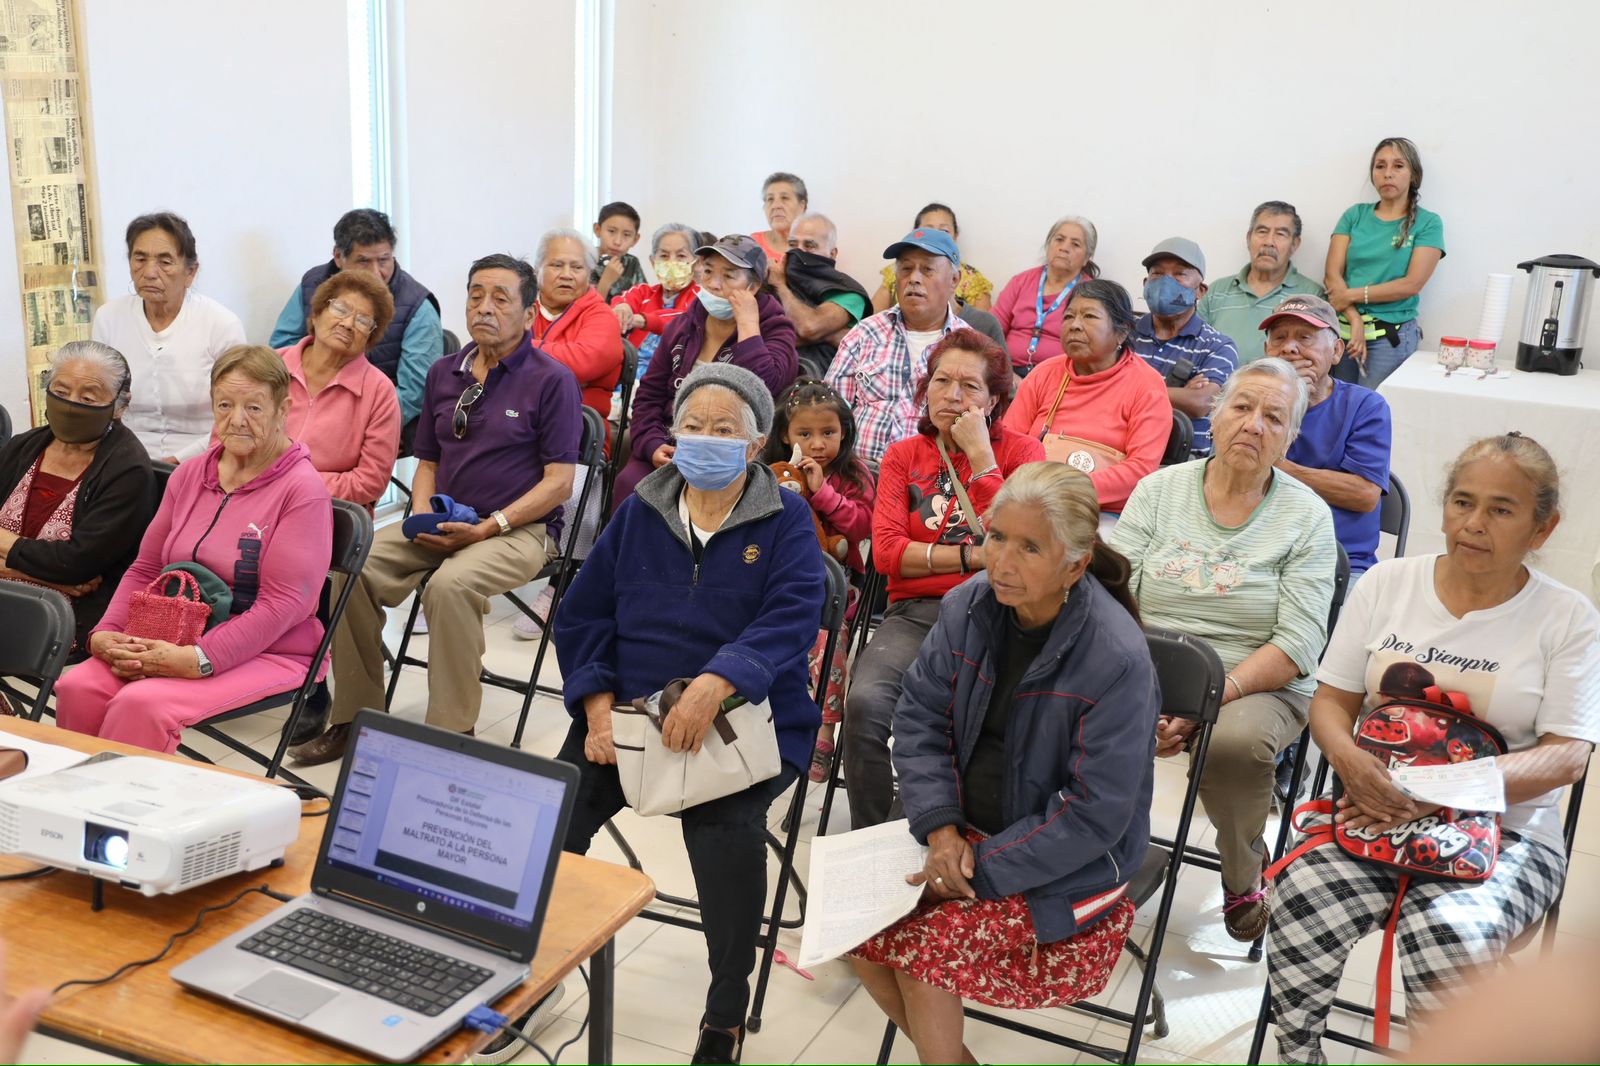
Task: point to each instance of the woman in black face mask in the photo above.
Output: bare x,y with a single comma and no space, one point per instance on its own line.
78,491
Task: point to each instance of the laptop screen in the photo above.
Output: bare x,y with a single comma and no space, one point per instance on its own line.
469,835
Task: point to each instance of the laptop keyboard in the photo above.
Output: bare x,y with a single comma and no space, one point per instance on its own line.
367,961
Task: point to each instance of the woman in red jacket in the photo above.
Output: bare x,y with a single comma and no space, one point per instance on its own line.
571,321
925,541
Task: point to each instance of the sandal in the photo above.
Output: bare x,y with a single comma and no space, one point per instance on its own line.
821,761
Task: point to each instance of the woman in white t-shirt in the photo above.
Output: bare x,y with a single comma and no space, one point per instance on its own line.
170,336
1526,651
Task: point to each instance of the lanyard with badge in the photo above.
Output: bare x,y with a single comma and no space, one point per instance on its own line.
1040,314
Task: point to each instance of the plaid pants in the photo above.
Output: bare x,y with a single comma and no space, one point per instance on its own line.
1327,900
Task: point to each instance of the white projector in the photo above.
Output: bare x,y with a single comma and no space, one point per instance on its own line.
148,824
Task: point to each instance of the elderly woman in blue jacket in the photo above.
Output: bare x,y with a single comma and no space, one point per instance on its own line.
713,572
1025,764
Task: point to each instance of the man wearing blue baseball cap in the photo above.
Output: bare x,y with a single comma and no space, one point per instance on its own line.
879,361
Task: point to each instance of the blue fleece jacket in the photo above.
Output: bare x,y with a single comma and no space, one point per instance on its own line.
1080,750
641,612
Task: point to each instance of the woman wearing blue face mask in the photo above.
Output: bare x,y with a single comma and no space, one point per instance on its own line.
734,320
709,571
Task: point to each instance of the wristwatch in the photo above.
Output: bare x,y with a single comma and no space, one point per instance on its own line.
206,669
500,519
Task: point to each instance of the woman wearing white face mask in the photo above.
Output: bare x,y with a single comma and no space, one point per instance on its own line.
730,599
733,320
644,310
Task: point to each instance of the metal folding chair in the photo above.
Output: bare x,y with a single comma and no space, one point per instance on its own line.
1191,678
1181,440
558,569
39,632
1546,926
352,539
833,610
1394,514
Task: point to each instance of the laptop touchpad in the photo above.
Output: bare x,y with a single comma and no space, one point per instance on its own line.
287,994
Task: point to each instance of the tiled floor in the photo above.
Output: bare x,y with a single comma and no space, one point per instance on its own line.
1212,991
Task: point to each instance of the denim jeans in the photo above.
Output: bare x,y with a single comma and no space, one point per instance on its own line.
1383,358
726,840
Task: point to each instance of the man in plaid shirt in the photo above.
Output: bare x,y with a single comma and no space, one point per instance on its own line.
880,360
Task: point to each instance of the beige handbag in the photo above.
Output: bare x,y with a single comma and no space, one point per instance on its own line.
740,749
1085,455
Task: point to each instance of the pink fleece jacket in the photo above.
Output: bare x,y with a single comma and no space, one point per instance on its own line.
282,519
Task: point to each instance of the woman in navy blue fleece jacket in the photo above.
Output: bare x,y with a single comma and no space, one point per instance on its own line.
709,571
1025,762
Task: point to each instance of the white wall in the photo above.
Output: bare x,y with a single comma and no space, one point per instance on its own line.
237,117
489,135
1152,119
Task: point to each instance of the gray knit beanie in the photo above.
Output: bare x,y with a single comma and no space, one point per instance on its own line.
741,382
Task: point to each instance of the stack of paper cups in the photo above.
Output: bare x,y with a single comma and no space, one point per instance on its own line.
1496,305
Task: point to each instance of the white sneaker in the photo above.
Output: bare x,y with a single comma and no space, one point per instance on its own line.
527,628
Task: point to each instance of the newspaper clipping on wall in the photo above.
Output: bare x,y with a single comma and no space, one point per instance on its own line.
49,164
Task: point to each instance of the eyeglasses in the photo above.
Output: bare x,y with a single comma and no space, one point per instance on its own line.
343,310
458,420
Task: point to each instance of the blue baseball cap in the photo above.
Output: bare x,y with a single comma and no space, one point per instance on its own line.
926,239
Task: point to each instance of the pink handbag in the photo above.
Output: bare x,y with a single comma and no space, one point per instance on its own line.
179,619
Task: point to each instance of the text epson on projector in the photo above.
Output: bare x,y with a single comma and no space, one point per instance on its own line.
149,824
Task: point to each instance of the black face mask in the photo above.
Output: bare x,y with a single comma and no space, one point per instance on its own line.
72,422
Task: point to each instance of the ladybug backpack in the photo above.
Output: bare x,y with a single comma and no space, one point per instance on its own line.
1447,845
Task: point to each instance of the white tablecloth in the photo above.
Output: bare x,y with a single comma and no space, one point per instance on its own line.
1435,417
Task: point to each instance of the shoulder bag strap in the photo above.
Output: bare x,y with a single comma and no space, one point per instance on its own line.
1050,419
973,521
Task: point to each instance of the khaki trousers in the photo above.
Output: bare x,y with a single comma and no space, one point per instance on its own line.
453,603
1241,764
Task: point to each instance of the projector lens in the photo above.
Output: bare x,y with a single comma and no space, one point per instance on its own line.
105,845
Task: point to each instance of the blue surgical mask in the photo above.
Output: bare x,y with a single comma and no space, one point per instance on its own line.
1165,295
710,463
715,305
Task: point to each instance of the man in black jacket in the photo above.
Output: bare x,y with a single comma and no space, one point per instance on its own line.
822,301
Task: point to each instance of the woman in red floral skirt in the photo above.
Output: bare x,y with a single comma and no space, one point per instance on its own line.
1024,748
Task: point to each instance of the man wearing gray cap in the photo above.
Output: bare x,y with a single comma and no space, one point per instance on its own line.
1194,358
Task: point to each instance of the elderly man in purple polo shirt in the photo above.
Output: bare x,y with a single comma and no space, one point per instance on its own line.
499,436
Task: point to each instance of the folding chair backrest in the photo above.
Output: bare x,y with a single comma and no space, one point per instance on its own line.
1180,440
5,426
1341,585
163,474
811,366
352,537
1189,673
39,630
1394,514
452,343
833,608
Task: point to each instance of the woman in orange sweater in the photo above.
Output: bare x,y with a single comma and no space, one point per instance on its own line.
1098,407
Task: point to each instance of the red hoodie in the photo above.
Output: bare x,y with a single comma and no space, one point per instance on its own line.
648,303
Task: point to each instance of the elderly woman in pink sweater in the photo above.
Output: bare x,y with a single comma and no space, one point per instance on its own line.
255,512
342,407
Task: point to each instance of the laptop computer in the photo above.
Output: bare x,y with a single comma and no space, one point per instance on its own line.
427,899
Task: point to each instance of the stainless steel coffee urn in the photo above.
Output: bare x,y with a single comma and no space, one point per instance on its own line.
1557,314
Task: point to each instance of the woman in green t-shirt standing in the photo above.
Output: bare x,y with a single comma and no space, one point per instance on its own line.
1379,258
